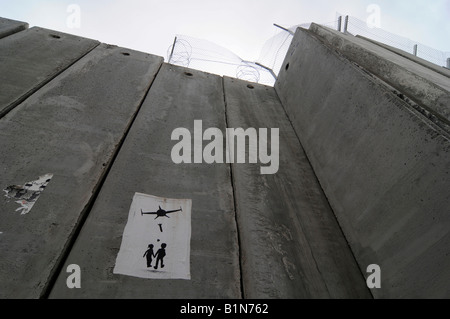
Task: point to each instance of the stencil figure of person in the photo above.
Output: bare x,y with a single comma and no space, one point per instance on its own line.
149,253
160,256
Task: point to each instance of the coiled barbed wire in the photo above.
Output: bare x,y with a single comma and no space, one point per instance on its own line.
248,71
180,53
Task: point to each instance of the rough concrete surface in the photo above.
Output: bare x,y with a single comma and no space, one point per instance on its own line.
70,128
32,58
363,175
436,68
291,243
421,84
177,98
384,167
8,27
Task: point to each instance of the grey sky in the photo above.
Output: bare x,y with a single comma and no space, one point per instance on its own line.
241,26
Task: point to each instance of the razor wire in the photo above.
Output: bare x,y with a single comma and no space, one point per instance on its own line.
207,56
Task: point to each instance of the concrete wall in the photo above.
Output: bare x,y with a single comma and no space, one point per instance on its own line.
417,82
383,165
32,58
144,165
8,27
436,68
291,244
70,128
100,118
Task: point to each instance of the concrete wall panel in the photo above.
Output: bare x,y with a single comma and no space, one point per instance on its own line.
383,166
69,128
177,98
8,27
291,243
31,58
418,82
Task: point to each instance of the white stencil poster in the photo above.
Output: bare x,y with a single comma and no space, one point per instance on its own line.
156,239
